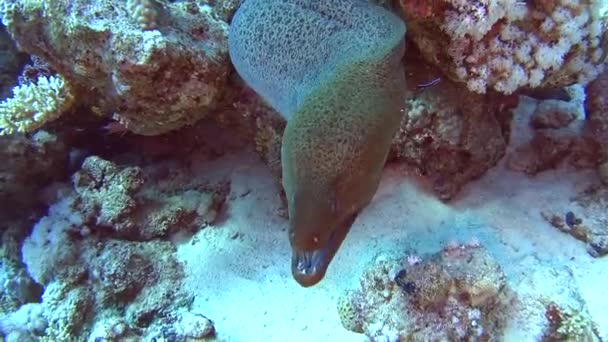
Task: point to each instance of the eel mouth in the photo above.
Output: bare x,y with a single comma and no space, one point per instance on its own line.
309,267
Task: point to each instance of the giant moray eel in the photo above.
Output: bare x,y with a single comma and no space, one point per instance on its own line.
333,70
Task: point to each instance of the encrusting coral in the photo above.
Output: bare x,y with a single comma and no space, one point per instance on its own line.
505,45
459,293
111,276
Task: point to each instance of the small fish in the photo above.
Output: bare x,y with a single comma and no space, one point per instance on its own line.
430,83
115,127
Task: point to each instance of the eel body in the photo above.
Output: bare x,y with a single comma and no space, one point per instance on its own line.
333,70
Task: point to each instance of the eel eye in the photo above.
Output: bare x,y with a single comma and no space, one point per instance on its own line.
315,239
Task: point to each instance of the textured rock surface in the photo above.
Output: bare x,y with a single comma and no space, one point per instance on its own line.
16,286
10,62
29,164
457,294
137,205
152,81
506,45
596,107
551,114
450,134
551,148
103,288
552,134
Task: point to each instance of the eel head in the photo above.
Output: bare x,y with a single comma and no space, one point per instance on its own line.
316,231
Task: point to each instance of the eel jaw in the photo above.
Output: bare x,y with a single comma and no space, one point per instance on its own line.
309,267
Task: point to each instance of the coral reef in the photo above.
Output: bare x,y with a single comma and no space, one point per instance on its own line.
99,265
152,81
506,45
568,324
120,199
225,8
35,104
552,114
145,12
449,137
92,215
17,288
550,148
111,288
560,313
459,293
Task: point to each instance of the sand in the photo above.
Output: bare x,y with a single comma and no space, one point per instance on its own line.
239,272
239,268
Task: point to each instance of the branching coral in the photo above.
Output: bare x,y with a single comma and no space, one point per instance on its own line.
35,104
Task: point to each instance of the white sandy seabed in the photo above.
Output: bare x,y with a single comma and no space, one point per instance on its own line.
239,272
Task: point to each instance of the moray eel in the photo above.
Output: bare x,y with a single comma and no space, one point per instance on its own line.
333,70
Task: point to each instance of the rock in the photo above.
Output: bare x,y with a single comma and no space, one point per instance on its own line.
552,114
448,133
459,293
152,79
11,61
596,107
506,46
142,204
603,172
585,221
107,191
194,326
551,148
596,125
28,165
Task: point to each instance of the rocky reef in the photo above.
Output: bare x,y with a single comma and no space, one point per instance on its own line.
460,293
109,110
102,255
152,77
506,45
